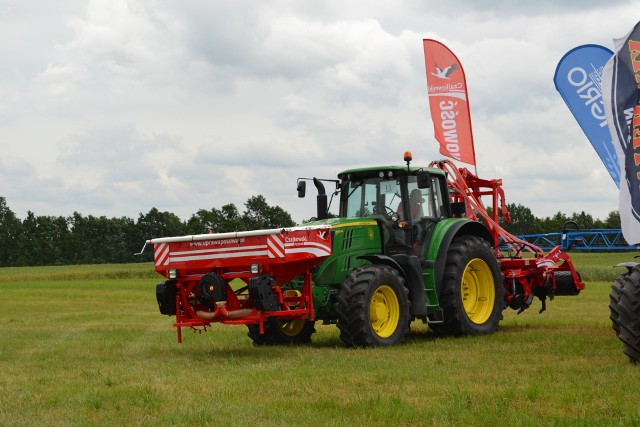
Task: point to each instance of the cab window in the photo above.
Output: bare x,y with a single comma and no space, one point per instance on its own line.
425,202
371,196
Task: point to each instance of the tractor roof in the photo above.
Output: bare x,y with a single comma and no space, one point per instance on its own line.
398,170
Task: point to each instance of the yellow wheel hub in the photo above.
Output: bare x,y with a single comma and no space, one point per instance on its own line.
294,326
384,311
478,291
291,327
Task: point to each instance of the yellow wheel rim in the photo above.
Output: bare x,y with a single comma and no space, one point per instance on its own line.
478,291
384,311
291,327
292,293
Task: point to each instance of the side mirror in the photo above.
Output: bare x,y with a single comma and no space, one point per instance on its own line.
424,179
302,188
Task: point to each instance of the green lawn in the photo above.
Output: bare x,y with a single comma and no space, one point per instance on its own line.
86,345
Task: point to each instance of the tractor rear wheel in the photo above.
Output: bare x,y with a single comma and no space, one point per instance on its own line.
472,296
373,307
282,332
629,313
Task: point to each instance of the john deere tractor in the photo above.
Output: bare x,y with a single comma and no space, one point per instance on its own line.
401,251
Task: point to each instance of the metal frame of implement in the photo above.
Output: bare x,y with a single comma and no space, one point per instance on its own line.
280,255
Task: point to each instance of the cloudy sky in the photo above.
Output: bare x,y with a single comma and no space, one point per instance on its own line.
112,107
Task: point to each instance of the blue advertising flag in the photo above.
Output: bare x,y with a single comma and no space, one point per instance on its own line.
621,85
578,78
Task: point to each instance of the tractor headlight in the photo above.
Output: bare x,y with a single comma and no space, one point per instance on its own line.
173,273
256,268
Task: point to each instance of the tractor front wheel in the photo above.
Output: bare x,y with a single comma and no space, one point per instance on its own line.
282,332
373,307
472,296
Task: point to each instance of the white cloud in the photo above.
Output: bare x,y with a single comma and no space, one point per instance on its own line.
114,107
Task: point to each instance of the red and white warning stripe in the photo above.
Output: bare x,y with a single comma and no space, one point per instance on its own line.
275,246
161,254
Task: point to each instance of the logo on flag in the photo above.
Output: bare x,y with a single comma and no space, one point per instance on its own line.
443,73
447,91
578,79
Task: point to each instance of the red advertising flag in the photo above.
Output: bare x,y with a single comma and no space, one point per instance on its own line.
447,90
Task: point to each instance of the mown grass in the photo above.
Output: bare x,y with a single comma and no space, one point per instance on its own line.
78,272
95,351
600,266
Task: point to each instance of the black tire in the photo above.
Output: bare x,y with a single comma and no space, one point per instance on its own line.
472,296
565,286
614,299
373,307
629,314
282,332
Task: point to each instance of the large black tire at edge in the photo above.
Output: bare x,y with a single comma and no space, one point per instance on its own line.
629,313
373,307
614,299
472,296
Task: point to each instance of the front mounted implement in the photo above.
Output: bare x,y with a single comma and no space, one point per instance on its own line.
202,272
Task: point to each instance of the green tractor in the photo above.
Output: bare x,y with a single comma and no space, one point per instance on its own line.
401,251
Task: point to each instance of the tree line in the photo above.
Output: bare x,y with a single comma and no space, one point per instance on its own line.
78,239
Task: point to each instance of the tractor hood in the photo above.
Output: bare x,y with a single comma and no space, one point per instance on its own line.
337,223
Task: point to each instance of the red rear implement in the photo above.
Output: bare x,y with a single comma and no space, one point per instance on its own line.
538,275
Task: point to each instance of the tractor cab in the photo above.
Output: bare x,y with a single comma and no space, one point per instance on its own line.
405,201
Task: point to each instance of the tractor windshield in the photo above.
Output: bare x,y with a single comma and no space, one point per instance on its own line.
370,196
384,196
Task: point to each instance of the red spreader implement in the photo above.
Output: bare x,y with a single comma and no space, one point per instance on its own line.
201,269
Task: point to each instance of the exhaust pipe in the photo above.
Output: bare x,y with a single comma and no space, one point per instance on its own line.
321,199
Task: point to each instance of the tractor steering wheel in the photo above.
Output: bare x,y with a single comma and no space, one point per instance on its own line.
393,215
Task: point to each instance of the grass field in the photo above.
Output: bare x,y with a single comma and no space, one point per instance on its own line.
86,345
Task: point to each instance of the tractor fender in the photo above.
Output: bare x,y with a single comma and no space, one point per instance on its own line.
461,228
408,266
628,265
